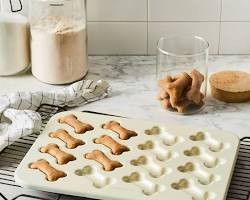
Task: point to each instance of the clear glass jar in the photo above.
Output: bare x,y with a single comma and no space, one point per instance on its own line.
14,40
58,40
182,73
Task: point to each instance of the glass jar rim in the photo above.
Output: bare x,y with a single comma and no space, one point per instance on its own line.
204,51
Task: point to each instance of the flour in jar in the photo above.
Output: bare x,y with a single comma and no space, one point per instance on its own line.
59,50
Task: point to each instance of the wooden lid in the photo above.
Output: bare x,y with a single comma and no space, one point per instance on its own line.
231,81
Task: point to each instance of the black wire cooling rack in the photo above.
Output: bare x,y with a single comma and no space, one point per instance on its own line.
11,156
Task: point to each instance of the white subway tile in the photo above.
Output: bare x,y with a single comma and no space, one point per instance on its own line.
114,38
235,38
120,26
235,10
207,30
187,10
117,10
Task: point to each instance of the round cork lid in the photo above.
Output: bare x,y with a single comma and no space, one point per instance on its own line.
231,81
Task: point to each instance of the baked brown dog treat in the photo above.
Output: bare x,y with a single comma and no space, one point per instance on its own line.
162,94
70,141
124,133
181,92
175,88
116,148
51,173
165,103
163,83
61,156
79,126
100,157
194,93
163,97
183,105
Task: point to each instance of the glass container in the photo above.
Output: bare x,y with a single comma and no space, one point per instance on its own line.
14,40
182,73
58,40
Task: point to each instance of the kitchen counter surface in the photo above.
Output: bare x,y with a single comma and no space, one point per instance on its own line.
133,81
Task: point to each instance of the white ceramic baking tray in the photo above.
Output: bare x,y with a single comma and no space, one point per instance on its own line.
209,179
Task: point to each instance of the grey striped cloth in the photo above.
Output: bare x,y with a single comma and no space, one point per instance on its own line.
17,111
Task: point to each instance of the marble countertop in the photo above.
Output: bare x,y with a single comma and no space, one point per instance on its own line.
134,88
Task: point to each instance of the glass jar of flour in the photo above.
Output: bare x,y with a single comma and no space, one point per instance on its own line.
58,40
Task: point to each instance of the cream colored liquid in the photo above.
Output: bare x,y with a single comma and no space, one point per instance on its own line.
14,44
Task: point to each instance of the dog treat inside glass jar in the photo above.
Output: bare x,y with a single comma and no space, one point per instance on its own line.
182,73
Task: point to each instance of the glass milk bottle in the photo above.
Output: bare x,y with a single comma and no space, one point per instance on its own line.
58,40
14,40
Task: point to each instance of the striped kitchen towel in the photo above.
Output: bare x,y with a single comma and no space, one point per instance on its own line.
18,116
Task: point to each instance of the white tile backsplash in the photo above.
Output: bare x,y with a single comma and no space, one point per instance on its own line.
184,10
208,31
116,38
117,10
235,10
132,27
235,38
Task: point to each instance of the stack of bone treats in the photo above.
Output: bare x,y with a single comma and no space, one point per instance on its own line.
182,91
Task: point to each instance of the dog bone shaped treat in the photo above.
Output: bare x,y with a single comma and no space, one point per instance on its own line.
175,87
182,106
124,133
99,156
51,173
116,148
165,103
61,156
182,184
162,94
153,131
164,98
163,83
194,93
173,95
180,92
70,141
79,126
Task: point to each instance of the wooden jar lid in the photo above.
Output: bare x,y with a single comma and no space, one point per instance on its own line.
231,86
